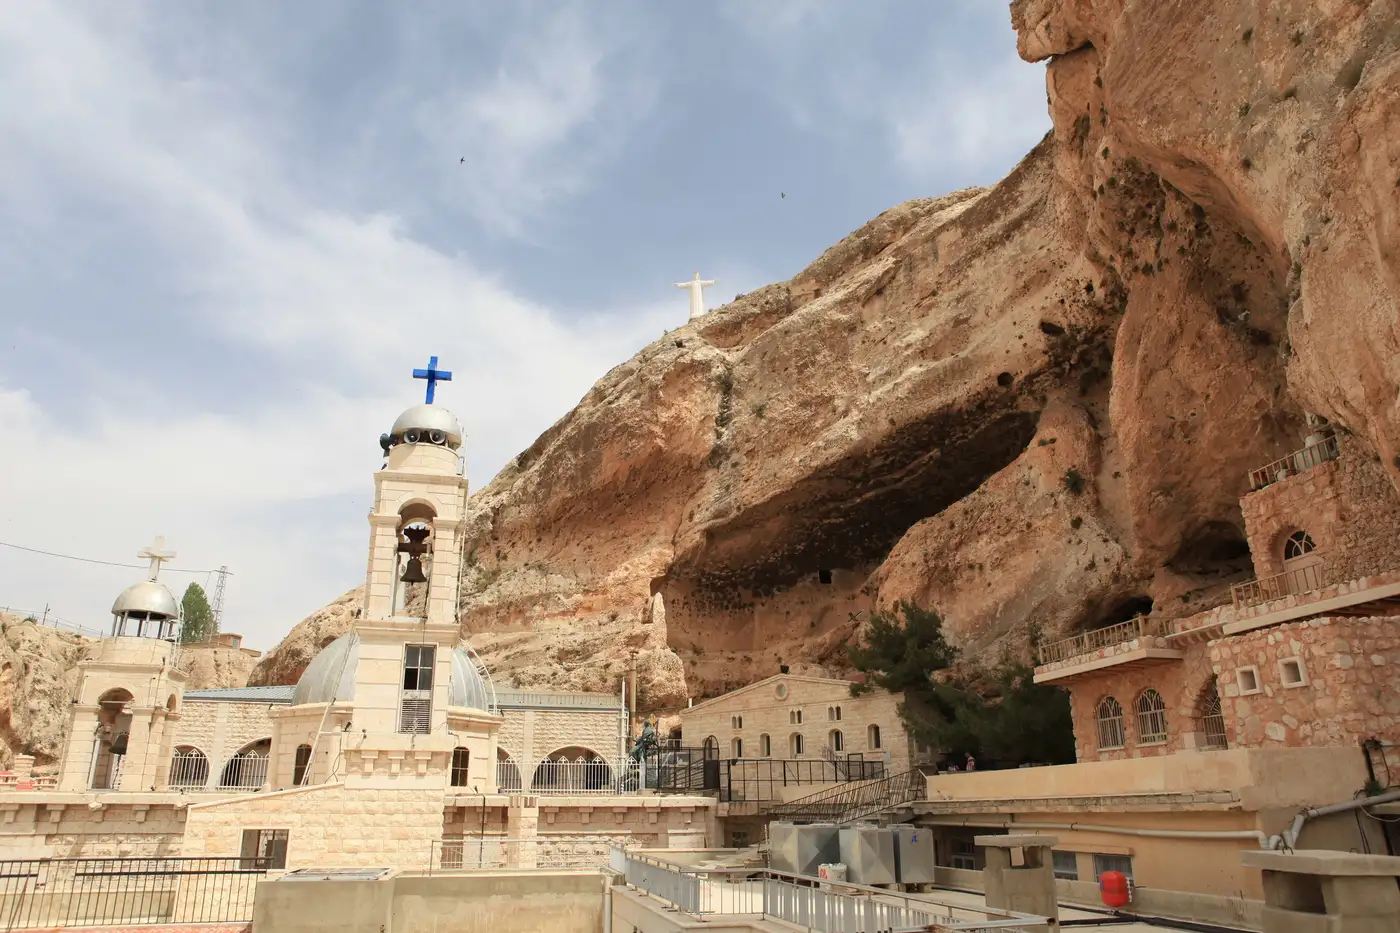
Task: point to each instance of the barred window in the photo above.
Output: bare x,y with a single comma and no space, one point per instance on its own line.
1151,717
1110,718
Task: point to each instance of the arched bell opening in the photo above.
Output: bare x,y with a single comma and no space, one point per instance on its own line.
413,558
109,741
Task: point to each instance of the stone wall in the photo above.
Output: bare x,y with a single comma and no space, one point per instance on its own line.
758,710
219,729
1349,668
1180,684
77,830
326,824
565,823
1349,508
531,735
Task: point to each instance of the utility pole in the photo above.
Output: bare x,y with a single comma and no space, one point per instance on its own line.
217,608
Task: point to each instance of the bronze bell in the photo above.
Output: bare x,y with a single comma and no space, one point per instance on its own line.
413,573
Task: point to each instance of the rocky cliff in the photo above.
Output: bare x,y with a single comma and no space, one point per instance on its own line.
1031,406
39,679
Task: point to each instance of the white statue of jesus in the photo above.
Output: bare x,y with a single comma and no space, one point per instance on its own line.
697,298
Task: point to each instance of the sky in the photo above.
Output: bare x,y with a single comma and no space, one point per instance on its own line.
228,233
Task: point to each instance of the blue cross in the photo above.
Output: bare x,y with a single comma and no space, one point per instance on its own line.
433,375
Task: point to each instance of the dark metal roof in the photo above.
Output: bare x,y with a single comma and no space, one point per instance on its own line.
281,694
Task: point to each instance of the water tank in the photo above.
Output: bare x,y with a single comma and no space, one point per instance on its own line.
913,854
1115,889
801,849
868,852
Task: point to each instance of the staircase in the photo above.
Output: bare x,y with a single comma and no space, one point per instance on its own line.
848,803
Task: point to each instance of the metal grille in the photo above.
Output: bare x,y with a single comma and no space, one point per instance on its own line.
1110,718
248,770
1212,720
414,714
50,893
1151,717
189,768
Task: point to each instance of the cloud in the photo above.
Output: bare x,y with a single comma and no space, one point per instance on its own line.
960,103
313,313
557,105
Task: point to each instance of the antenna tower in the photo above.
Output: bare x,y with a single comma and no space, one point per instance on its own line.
221,576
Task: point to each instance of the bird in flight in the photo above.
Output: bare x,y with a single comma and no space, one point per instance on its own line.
462,160
782,194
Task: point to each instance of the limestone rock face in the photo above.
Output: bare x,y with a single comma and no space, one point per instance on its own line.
284,664
38,679
209,667
1032,406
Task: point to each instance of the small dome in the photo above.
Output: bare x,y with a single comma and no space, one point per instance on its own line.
331,674
468,688
426,419
149,597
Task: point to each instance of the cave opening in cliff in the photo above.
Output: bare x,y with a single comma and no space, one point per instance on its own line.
839,523
1125,610
1216,549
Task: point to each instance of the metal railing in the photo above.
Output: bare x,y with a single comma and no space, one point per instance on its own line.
758,779
471,853
1288,583
48,893
1311,456
855,801
1088,642
537,699
622,776
835,907
246,771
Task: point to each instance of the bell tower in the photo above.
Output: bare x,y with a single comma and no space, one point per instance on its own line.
409,629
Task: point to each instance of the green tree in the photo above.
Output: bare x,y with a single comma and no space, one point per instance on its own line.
1001,714
198,619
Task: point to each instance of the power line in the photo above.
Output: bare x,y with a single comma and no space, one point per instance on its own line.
105,563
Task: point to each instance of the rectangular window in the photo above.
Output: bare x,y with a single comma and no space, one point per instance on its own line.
1103,863
418,666
965,854
264,849
765,746
461,766
416,702
1065,865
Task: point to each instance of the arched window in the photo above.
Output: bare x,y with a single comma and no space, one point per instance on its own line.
711,747
1110,718
765,746
1299,543
872,736
830,713
248,768
838,714
1151,717
795,717
736,722
795,744
507,773
299,765
737,748
189,767
461,764
836,740
1210,721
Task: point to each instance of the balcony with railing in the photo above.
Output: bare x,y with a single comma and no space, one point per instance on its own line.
1137,642
1313,455
1289,583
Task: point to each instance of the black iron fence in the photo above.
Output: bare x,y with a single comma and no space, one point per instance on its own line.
846,803
683,770
89,892
758,780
